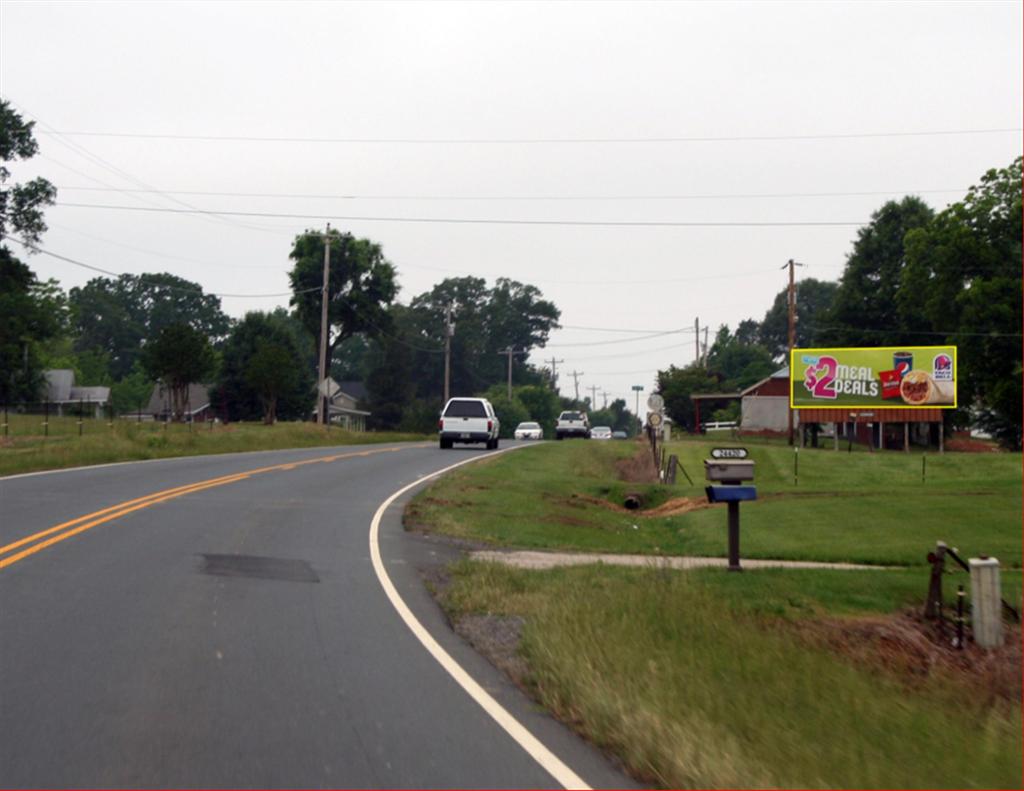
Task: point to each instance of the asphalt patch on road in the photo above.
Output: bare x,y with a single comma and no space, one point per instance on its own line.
259,567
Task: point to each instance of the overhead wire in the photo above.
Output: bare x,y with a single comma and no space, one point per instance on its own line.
143,278
482,221
536,140
539,198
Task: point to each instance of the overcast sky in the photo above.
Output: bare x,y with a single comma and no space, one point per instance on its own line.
713,116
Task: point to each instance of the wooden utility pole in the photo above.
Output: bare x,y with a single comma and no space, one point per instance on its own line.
322,393
705,351
510,352
604,395
449,331
696,340
554,373
593,396
576,382
792,332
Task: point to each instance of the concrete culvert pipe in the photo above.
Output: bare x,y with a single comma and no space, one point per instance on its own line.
633,501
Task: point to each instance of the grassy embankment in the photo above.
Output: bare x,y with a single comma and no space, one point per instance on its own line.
793,678
25,448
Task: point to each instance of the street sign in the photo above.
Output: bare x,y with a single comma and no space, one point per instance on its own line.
728,453
638,388
655,402
654,419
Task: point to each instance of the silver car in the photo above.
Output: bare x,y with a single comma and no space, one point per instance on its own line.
529,431
601,432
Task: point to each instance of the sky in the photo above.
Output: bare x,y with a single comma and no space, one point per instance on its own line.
645,165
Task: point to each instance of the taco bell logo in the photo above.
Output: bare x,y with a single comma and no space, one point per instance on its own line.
942,368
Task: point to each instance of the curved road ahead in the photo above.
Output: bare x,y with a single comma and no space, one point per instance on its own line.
217,622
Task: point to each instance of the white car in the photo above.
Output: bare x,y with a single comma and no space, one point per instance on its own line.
529,431
601,432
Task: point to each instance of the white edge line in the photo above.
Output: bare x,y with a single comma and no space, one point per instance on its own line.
530,743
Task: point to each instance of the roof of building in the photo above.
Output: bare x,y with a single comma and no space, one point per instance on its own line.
160,400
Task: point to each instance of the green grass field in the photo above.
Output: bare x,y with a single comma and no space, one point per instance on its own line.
27,447
860,507
780,677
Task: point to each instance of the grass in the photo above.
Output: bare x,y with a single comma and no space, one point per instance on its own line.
25,447
860,507
775,677
693,689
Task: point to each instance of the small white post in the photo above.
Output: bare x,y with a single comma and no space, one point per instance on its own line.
986,602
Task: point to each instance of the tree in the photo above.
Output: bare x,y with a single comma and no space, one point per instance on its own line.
117,317
266,369
865,307
21,206
676,385
962,283
179,356
31,313
737,364
361,284
510,412
813,300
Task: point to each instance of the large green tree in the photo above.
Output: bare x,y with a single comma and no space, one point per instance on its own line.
361,284
962,283
21,205
865,309
119,316
179,356
31,313
267,369
738,364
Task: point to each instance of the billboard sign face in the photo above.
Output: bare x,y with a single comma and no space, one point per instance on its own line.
895,377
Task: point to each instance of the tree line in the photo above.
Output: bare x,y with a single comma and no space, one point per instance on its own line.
131,331
914,277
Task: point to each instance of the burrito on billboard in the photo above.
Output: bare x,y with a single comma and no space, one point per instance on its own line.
897,377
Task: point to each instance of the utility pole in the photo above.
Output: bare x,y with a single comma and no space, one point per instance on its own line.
604,395
705,347
322,394
449,331
510,352
554,374
593,396
576,382
792,330
696,341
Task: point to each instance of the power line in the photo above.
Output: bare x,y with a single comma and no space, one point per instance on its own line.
354,197
531,140
620,340
143,278
468,221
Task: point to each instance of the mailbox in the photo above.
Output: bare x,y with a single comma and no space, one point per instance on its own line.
730,467
729,470
730,494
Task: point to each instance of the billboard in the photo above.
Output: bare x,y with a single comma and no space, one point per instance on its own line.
904,377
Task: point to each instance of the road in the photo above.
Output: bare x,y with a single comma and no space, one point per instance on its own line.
235,633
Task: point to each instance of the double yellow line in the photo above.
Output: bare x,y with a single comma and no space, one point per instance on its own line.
54,535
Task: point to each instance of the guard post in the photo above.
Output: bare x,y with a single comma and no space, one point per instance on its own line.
730,468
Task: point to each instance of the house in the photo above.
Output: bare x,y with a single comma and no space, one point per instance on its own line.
197,404
343,400
62,392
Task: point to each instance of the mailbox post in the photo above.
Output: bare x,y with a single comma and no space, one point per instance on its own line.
730,468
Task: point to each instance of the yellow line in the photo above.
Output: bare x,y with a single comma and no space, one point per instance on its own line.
83,523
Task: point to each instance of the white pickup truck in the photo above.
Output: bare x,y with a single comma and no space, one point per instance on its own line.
468,420
572,424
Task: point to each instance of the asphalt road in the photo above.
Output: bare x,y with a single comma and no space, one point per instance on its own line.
236,635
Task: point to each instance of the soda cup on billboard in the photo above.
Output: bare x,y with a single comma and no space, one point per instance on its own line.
903,362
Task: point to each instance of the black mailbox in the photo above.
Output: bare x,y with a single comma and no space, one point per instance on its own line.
730,468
